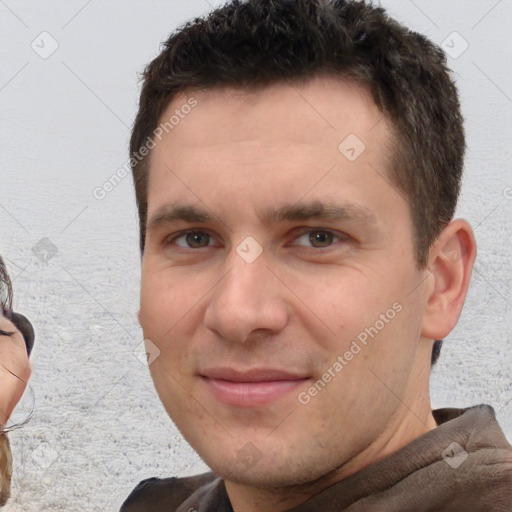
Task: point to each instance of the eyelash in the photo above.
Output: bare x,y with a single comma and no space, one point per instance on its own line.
341,236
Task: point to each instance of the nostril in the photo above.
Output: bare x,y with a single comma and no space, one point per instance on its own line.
26,329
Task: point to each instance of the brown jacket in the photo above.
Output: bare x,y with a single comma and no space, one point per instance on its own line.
463,465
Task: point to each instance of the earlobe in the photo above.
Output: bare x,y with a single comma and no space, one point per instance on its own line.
451,263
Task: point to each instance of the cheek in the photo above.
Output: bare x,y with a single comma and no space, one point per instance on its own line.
346,301
168,319
159,311
366,308
173,290
162,300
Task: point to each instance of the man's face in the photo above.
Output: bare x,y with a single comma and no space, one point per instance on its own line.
249,341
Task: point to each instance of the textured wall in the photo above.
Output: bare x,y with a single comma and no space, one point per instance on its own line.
98,427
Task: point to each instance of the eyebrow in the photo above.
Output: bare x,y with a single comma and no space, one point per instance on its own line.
168,214
315,210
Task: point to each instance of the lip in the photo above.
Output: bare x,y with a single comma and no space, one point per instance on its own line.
251,387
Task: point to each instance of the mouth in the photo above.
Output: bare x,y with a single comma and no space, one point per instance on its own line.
252,387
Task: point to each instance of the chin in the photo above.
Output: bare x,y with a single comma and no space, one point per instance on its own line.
267,471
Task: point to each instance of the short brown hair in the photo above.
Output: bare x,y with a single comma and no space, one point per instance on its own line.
255,43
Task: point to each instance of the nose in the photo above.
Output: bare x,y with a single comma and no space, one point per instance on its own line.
249,298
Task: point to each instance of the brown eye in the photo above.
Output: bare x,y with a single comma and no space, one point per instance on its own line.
321,238
197,239
193,240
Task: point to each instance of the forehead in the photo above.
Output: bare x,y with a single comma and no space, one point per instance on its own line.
321,110
277,141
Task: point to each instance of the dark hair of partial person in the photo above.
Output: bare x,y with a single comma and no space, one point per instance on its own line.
5,288
255,43
19,320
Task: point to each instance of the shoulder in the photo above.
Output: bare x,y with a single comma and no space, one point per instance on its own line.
155,494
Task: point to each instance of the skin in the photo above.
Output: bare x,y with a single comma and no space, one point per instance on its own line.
301,303
15,368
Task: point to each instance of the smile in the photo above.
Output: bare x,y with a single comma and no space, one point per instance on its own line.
249,389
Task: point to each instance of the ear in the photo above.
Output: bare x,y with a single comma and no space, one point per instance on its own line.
451,260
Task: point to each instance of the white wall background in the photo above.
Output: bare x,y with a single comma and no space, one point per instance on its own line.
98,427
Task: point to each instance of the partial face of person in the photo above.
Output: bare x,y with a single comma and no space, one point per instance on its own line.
15,368
278,280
